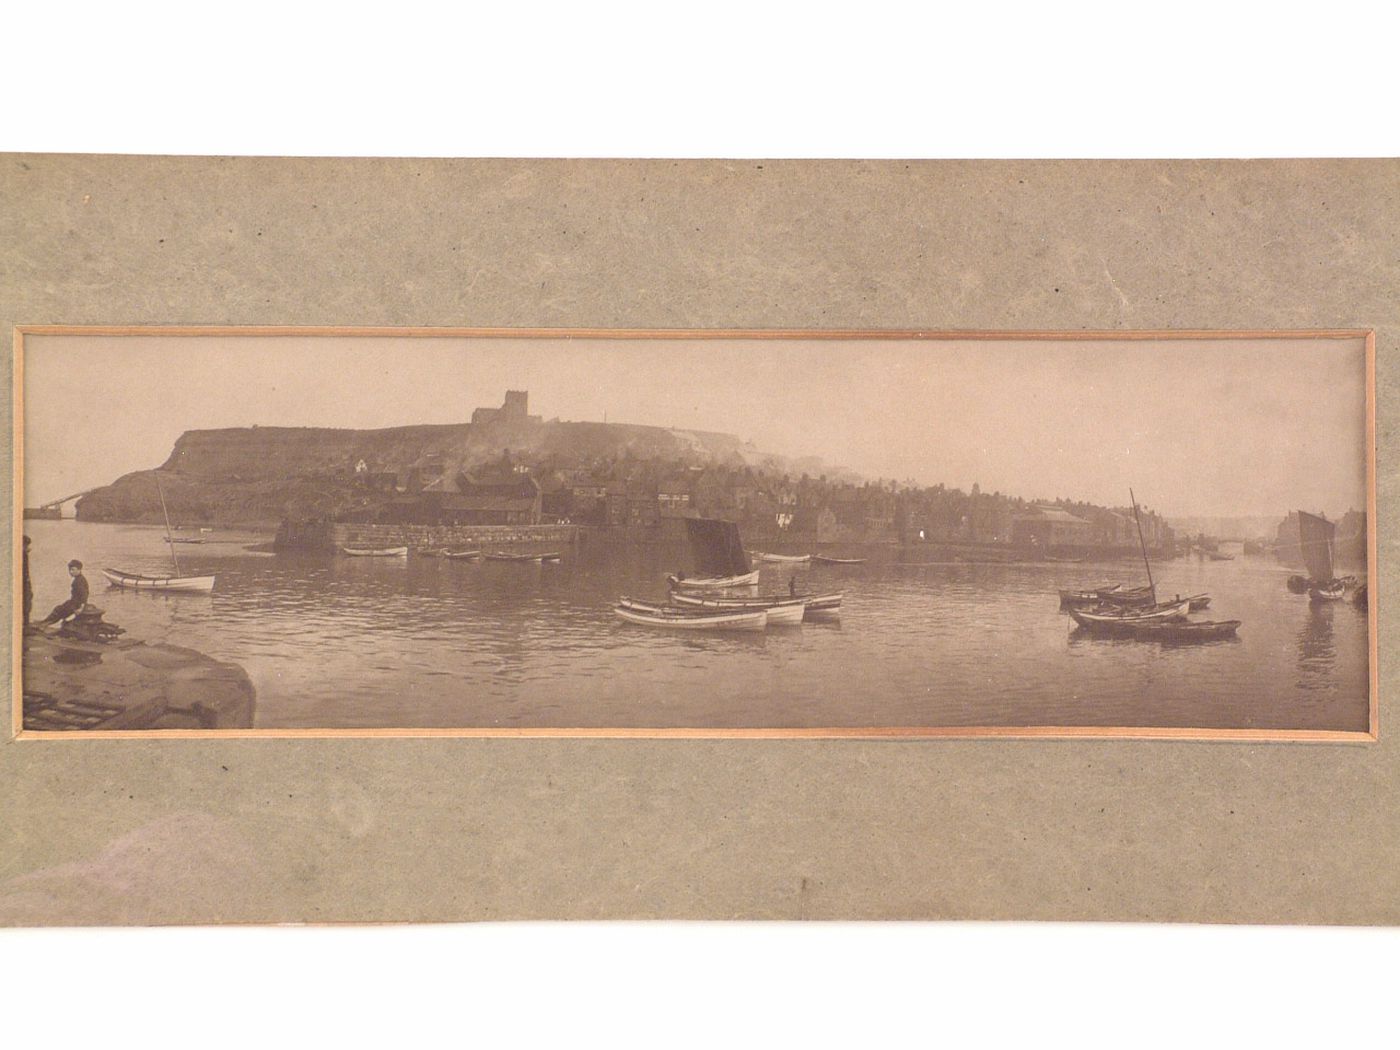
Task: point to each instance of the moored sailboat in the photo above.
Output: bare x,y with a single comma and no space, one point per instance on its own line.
176,582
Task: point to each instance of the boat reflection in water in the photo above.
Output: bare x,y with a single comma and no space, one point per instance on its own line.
1317,649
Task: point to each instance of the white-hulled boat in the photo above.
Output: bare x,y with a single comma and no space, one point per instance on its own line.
461,555
793,559
135,581
504,556
780,611
707,621
176,582
1328,592
712,583
1125,621
813,606
822,559
376,552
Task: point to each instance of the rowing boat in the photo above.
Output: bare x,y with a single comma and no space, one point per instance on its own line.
813,605
376,552
135,581
778,615
718,621
503,556
793,559
822,559
712,583
780,610
175,582
1119,621
1186,630
462,555
1334,591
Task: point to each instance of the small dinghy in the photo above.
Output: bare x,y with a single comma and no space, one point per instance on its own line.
706,621
812,605
1117,621
462,555
376,552
822,559
135,581
182,539
503,556
1186,630
780,610
712,583
791,559
177,581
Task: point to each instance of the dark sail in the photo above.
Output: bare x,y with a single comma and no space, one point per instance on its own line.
1315,537
717,548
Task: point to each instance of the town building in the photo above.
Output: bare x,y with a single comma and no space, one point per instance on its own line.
515,410
1045,526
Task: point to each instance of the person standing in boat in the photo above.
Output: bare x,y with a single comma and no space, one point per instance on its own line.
76,600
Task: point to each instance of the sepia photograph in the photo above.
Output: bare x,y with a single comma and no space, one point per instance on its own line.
782,533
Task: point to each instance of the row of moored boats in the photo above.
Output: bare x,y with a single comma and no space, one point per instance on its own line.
452,555
1134,612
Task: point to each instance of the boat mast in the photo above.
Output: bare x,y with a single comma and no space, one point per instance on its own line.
169,540
1143,544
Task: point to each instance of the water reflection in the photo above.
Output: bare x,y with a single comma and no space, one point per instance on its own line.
348,642
1317,649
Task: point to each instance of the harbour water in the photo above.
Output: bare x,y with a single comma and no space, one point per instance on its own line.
336,642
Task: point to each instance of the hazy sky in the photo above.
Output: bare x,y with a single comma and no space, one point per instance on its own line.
1196,428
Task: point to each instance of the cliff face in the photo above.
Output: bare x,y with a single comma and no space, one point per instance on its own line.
262,474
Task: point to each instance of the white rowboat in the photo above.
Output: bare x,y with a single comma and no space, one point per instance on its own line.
712,583
376,552
812,604
719,621
191,584
796,559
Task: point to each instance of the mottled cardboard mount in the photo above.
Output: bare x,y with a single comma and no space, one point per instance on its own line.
372,830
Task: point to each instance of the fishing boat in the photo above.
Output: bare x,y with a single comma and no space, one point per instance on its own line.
375,552
778,615
709,621
176,582
1117,621
462,555
791,559
712,583
1316,536
135,581
813,605
719,556
1199,602
822,559
1186,630
1328,592
504,556
1087,597
780,610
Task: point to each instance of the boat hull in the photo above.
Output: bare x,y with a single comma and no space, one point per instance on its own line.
819,559
1333,592
791,559
375,552
712,583
719,621
1187,631
180,584
1124,623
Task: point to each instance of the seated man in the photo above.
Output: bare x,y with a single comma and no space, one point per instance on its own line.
76,600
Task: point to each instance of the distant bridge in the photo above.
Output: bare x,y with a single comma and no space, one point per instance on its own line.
53,510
